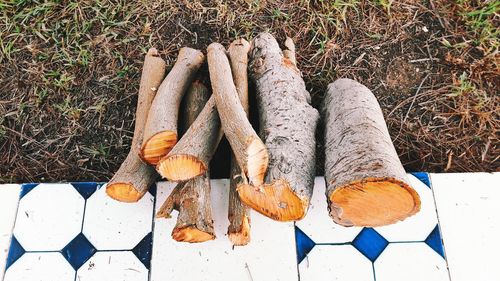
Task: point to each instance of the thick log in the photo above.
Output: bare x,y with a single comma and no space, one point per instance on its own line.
160,134
366,182
247,147
238,213
134,177
287,124
192,198
191,155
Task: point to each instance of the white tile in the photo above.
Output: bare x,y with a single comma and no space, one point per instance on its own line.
9,199
335,262
49,217
269,256
119,265
410,262
113,225
418,226
40,267
318,224
469,213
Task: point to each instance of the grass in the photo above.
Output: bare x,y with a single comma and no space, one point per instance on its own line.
69,73
482,21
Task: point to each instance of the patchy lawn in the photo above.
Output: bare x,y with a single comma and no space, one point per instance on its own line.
69,74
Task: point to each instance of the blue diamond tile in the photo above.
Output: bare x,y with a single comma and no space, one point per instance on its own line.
423,177
370,243
152,189
303,243
27,187
434,241
86,189
144,249
78,251
15,252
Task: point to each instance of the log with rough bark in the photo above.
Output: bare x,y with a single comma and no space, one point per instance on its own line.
192,198
250,152
238,214
160,134
366,182
287,124
191,155
134,177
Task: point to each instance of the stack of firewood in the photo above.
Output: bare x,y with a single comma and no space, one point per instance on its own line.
274,173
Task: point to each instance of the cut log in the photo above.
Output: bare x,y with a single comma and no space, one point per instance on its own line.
160,134
191,155
192,198
238,213
134,177
287,124
247,147
366,182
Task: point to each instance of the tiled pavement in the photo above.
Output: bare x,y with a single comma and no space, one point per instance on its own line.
66,232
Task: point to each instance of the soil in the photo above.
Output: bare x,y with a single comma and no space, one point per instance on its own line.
69,79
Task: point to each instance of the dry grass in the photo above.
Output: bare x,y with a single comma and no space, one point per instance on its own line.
69,73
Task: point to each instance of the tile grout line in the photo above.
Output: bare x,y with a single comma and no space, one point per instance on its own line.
12,229
152,232
296,254
439,226
81,229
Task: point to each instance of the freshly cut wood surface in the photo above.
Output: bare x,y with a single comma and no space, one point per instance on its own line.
134,177
238,214
366,182
191,155
160,134
249,150
287,124
192,198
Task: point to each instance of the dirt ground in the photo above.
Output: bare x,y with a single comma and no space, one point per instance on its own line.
69,74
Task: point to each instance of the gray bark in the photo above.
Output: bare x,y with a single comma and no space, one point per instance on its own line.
358,149
192,198
238,214
163,115
196,147
134,177
287,120
248,149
